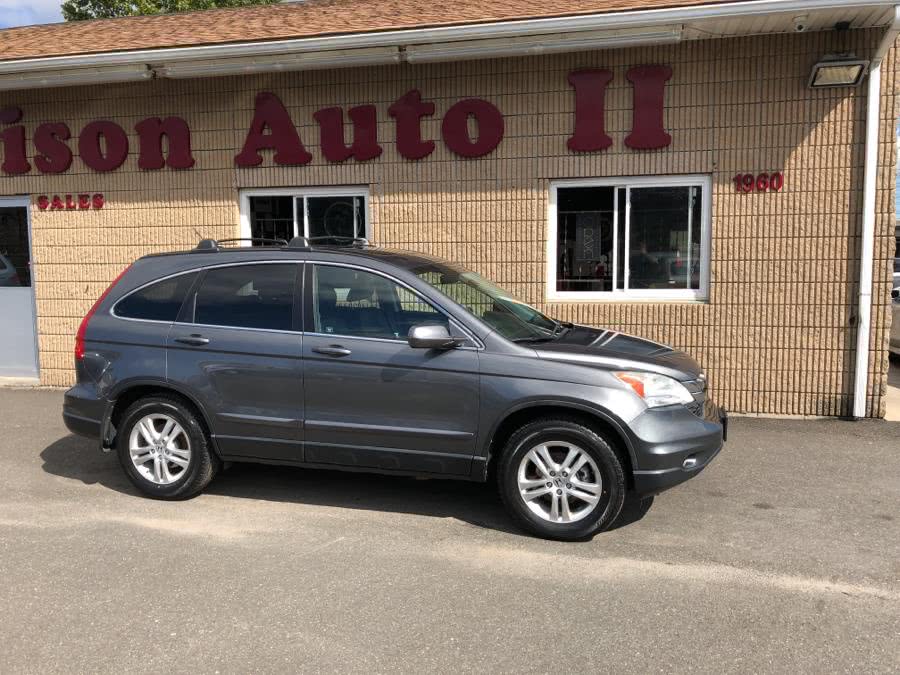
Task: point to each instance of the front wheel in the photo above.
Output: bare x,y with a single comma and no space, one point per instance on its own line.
164,449
561,480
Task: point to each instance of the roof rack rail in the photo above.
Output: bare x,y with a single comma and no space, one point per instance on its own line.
207,246
299,243
354,241
262,240
213,245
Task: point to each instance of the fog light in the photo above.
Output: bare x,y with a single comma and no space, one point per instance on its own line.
689,463
837,71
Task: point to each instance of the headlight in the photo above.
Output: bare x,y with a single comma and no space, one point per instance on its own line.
656,390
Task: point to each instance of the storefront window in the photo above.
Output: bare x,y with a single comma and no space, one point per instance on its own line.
326,216
635,238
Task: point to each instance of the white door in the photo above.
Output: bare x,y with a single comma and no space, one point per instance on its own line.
18,342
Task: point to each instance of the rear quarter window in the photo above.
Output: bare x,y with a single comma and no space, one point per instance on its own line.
156,302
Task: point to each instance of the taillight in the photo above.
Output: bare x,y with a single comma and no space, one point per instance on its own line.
79,336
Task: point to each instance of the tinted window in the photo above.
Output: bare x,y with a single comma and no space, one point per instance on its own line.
158,302
349,301
510,317
247,296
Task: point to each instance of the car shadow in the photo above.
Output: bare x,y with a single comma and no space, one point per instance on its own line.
477,504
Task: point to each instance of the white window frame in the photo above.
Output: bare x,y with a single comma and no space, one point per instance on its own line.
295,193
704,182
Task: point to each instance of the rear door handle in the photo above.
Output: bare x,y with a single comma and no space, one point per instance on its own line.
332,350
195,340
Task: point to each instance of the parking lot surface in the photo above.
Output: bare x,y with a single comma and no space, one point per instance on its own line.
783,556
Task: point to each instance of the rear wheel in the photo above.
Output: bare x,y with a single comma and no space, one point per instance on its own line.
560,479
164,449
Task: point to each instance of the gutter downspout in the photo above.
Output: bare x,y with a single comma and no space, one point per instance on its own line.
867,248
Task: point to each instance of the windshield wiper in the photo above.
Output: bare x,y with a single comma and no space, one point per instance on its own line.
562,327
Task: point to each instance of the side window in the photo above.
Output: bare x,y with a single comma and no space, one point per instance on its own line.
247,296
157,302
348,301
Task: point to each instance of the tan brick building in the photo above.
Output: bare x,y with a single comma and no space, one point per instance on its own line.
739,239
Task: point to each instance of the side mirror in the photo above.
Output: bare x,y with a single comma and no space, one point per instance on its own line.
431,336
895,294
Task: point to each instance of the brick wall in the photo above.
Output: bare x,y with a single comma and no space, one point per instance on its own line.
777,335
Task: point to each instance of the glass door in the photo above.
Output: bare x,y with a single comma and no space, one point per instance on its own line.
18,338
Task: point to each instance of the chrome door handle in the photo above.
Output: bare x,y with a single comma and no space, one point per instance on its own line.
332,350
195,340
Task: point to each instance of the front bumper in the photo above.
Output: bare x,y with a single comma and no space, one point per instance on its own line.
673,445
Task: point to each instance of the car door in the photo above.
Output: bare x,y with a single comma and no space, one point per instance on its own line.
371,399
236,348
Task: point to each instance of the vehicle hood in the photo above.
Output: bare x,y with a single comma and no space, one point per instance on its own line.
613,350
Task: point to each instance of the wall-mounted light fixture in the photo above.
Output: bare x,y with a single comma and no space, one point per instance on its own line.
837,71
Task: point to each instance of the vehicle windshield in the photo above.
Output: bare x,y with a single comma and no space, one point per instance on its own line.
509,316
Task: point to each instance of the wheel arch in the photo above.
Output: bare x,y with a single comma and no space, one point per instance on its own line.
597,419
135,390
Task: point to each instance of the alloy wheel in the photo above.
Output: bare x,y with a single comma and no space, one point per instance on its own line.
160,449
559,482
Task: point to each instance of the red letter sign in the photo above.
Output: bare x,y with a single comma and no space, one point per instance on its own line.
455,127
50,139
408,111
647,130
365,133
590,94
284,139
151,131
116,146
13,140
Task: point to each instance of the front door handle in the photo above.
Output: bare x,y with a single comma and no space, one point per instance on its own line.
195,340
332,350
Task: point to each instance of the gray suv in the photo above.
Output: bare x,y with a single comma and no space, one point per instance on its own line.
365,359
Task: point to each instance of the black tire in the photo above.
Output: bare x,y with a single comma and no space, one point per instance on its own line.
560,430
202,465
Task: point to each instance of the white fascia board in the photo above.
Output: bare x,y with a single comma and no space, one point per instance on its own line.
73,76
542,44
347,58
501,29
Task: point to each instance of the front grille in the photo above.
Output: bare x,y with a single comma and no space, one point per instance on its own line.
698,391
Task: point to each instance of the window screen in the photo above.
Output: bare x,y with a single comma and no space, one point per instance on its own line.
664,238
247,296
157,302
335,220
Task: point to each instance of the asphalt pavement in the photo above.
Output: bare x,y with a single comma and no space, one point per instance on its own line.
783,556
